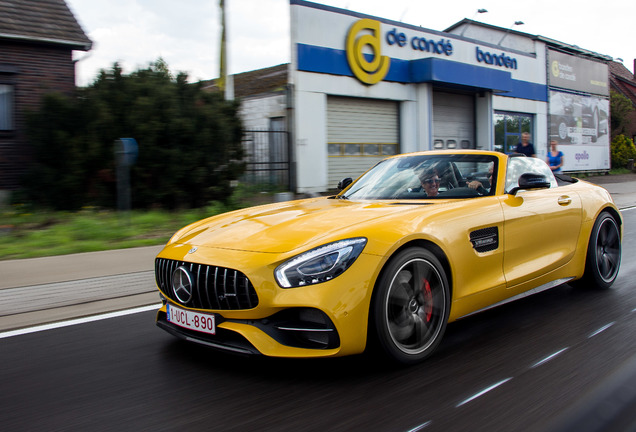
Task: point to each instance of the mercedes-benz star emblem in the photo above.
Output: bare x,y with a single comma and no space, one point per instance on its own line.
182,285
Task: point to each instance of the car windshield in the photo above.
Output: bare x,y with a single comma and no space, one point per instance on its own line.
521,165
427,177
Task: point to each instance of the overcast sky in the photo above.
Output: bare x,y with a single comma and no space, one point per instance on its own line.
186,34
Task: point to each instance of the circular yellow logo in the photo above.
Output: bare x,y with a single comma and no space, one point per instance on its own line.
366,32
555,68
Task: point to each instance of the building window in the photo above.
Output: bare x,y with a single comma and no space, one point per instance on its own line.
508,129
362,149
6,107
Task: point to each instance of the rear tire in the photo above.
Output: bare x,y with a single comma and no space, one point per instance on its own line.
603,252
411,306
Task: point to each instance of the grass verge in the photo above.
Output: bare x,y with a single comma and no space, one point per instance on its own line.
26,233
30,235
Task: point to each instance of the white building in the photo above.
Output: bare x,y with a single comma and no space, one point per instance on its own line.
362,88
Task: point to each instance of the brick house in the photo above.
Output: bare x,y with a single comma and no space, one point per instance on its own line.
624,82
37,40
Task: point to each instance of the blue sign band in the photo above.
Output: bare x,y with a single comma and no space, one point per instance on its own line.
427,70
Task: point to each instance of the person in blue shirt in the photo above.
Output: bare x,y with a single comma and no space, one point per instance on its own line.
555,157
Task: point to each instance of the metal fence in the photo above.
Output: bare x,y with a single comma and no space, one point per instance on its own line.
267,157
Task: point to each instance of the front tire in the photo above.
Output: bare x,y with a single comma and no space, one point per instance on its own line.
411,306
603,252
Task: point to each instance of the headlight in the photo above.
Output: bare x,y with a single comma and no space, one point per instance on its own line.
320,264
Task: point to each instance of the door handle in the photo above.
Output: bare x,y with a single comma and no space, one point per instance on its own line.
564,200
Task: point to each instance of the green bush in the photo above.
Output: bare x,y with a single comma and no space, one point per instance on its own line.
620,108
623,149
189,143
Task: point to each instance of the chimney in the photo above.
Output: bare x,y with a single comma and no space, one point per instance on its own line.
634,74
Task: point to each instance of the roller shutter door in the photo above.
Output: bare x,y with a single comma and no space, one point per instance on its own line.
453,120
360,132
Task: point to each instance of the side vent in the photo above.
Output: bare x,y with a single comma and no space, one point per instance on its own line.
485,239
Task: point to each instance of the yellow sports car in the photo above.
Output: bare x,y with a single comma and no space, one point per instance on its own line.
416,242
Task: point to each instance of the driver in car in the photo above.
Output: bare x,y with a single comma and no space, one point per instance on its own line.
430,182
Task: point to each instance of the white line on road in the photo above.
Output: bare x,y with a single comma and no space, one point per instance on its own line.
483,392
605,327
547,359
76,321
420,427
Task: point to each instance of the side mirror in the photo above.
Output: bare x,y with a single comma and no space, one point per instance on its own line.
342,184
531,181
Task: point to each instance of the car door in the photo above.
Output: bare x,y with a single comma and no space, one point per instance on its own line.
541,226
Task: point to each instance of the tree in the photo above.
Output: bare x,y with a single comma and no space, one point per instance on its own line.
620,107
63,160
189,142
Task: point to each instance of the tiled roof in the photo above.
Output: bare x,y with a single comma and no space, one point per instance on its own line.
618,69
622,80
48,21
268,80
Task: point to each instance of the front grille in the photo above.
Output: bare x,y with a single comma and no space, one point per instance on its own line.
215,288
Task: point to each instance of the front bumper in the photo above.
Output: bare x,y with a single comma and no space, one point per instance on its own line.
322,320
303,328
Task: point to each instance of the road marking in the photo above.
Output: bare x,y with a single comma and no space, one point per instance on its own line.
483,392
547,359
77,321
605,327
420,427
627,208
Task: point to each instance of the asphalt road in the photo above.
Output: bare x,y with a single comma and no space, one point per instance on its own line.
560,360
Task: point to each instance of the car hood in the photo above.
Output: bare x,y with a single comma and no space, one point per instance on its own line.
283,227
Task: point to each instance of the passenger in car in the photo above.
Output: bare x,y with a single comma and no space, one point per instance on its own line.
479,187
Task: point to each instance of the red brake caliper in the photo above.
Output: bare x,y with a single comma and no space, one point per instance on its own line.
428,299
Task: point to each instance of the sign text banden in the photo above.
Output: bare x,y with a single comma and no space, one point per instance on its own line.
501,60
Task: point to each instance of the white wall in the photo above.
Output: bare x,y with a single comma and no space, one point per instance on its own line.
328,29
310,142
424,125
484,130
256,111
493,37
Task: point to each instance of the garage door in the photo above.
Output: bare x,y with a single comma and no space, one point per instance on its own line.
453,120
360,132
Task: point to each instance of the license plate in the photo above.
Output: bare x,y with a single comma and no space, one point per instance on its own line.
196,321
